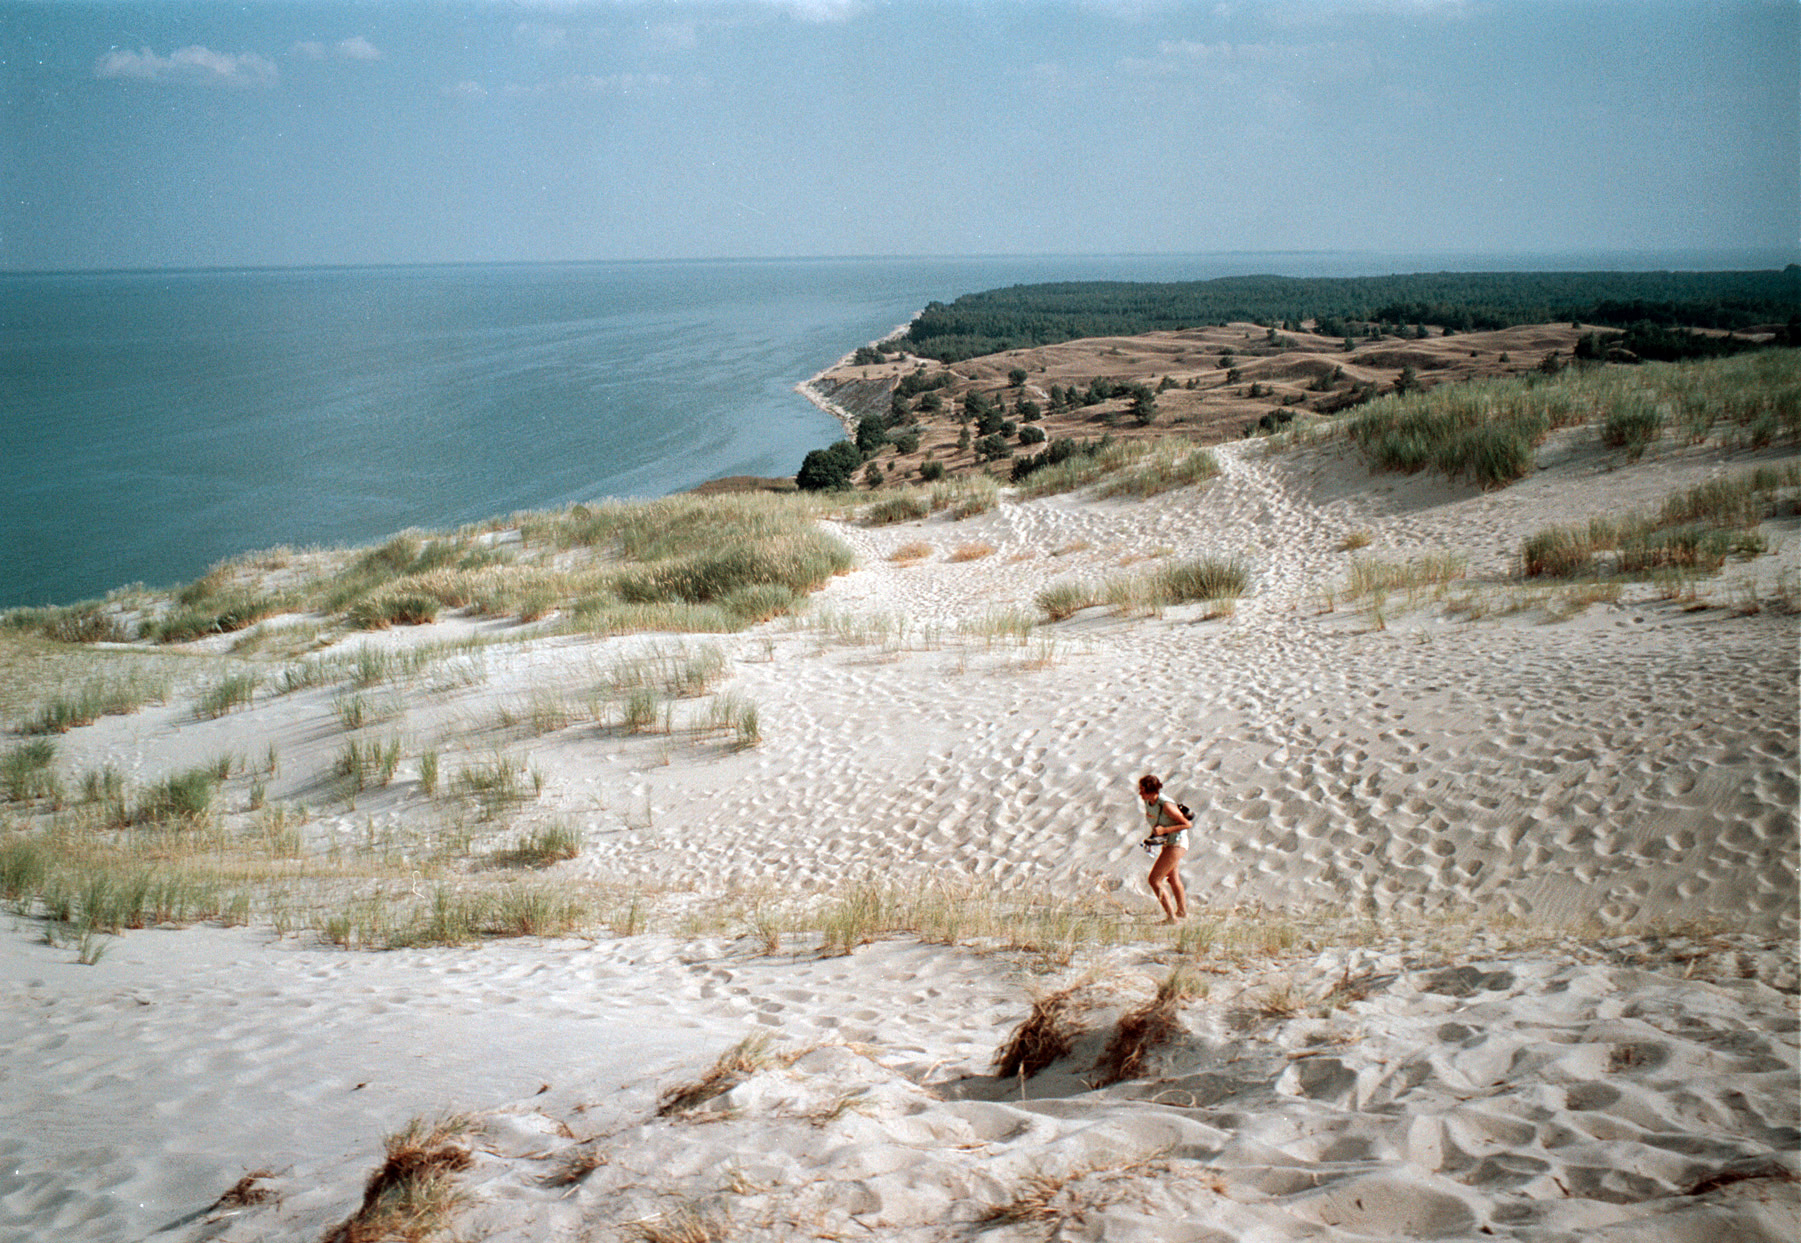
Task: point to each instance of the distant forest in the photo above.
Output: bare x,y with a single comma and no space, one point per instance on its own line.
1654,305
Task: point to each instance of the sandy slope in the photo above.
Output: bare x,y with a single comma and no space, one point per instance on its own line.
1636,764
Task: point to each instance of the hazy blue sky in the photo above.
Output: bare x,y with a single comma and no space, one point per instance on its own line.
146,133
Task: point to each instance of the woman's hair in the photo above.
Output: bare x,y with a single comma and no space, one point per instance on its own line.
1148,784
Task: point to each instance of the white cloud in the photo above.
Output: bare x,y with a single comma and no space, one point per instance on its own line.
354,48
589,84
189,64
1184,58
357,48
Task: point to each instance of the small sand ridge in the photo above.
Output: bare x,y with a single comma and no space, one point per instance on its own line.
1461,1068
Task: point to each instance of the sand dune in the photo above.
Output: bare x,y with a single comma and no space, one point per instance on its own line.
1560,856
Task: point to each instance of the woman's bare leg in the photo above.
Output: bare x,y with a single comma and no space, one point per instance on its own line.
1164,876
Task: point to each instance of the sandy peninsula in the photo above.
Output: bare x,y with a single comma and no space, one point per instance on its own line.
1493,935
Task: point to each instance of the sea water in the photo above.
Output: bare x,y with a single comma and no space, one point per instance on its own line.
155,423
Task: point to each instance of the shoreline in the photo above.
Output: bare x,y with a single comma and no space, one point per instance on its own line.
808,387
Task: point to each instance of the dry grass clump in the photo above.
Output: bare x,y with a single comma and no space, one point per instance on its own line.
1055,1200
911,553
1154,1024
734,1066
1046,1034
573,1165
684,1225
1213,579
972,552
411,1196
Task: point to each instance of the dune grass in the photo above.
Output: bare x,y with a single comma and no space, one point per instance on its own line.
1167,465
106,694
684,563
1488,431
1694,531
234,690
1217,580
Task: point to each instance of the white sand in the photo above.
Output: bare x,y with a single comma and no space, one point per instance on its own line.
1635,765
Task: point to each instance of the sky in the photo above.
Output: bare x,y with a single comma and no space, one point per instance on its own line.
169,133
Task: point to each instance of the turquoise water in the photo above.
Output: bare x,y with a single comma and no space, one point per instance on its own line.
155,423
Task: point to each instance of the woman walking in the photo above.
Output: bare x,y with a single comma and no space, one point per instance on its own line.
1169,836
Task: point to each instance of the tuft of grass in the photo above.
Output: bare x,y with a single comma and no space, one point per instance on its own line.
1064,599
1372,577
542,847
1488,431
366,763
494,785
998,624
396,608
965,496
27,772
1633,423
413,1193
733,1067
1209,578
102,696
1046,1034
1167,466
972,551
1152,1025
231,692
1692,531
907,507
185,797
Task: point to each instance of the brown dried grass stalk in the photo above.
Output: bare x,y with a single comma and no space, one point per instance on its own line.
1141,1031
1048,1033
